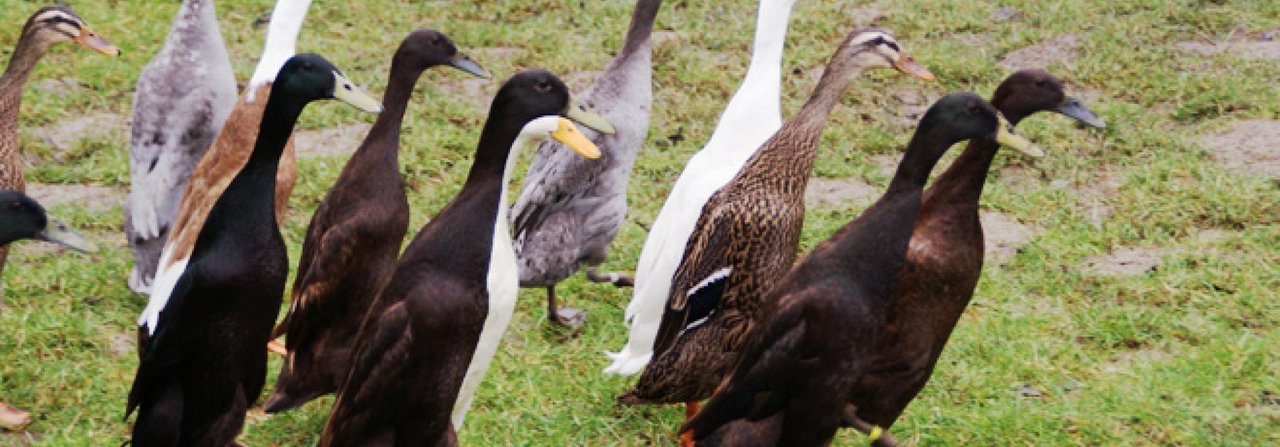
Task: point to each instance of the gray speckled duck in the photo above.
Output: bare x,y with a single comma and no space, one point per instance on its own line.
183,96
570,209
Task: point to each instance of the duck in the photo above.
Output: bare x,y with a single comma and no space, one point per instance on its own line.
569,208
817,338
354,237
747,236
45,28
183,96
226,155
418,362
205,363
22,217
753,114
944,259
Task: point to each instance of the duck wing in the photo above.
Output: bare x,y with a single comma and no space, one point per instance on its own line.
702,277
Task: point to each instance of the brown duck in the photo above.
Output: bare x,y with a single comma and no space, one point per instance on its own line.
746,238
799,367
48,26
354,237
944,259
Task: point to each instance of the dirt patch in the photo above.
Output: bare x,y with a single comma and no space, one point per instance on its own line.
865,15
1125,261
833,193
329,141
91,197
1019,177
1125,360
19,439
490,54
1249,146
1058,50
64,133
1003,236
885,164
912,105
1244,48
58,86
1096,192
120,344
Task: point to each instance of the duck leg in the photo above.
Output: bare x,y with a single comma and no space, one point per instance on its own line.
690,409
879,436
13,419
564,316
615,278
276,347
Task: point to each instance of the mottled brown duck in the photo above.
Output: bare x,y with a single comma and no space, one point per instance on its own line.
747,236
804,359
354,237
47,27
944,259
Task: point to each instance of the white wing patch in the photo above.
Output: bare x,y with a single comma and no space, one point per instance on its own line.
162,288
713,277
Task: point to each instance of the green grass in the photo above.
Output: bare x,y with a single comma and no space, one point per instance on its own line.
1182,355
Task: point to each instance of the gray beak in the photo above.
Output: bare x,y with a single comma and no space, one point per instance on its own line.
58,232
465,63
1075,109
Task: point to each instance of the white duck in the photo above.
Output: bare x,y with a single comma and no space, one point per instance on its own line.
183,96
229,152
752,116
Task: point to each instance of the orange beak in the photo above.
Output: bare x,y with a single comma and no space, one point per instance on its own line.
909,66
93,41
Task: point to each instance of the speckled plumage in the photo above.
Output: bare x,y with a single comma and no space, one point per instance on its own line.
183,97
570,208
750,229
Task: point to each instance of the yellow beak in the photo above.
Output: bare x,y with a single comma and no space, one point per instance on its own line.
93,41
345,91
581,113
1006,137
569,135
908,65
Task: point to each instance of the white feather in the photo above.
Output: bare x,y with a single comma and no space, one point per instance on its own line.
503,280
752,116
282,42
167,276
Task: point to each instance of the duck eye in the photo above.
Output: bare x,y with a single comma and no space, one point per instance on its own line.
542,86
15,205
1040,83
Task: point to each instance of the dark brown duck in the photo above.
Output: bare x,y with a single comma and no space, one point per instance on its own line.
805,358
354,237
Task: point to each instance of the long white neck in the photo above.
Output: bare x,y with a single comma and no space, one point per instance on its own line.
282,40
760,95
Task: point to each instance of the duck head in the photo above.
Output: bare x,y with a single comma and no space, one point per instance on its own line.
56,24
21,217
560,129
310,77
1029,91
870,48
534,93
964,116
426,48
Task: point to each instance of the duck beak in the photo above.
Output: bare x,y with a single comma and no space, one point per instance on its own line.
1075,109
568,134
580,113
908,65
464,63
345,91
93,41
58,232
1006,137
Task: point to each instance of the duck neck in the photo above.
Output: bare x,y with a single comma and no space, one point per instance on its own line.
922,154
197,20
282,40
382,146
251,188
638,39
25,56
759,98
962,183
793,162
